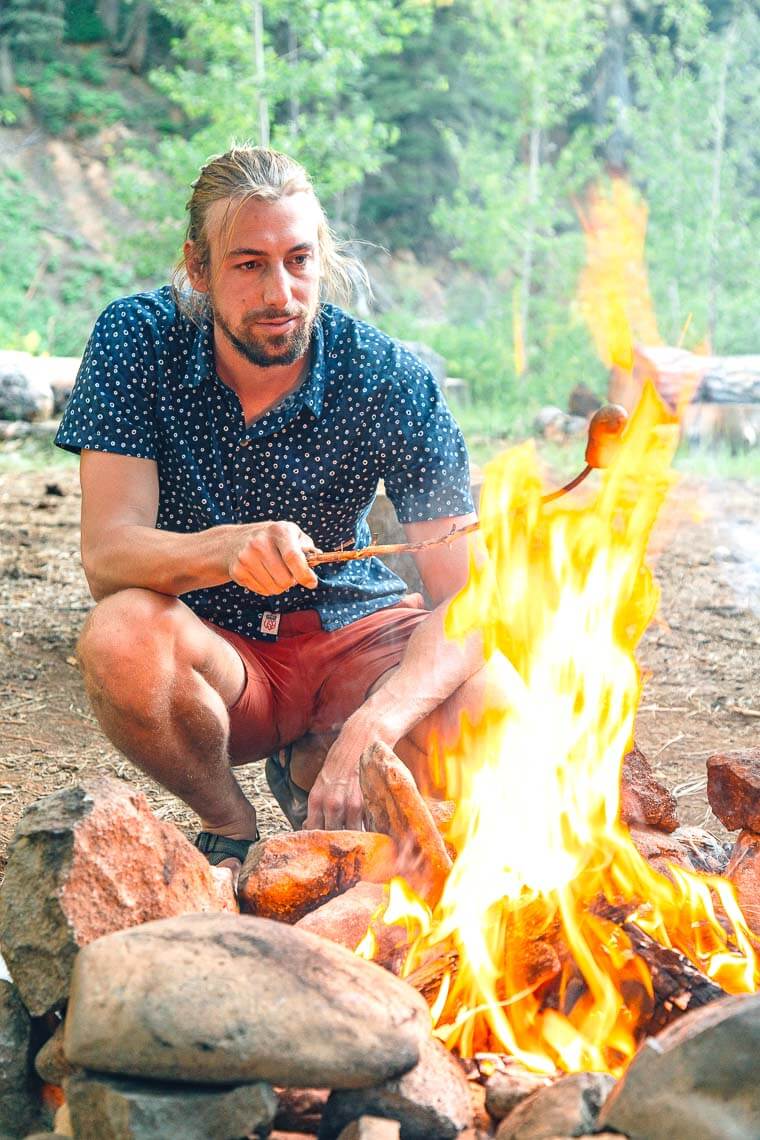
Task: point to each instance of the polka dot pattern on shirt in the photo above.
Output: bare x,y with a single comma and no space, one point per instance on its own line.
367,410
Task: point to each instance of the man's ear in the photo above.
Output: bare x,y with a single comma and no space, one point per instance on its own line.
196,271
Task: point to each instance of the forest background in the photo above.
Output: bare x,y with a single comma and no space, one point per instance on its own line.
454,144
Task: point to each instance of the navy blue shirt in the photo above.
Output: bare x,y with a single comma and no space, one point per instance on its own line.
367,410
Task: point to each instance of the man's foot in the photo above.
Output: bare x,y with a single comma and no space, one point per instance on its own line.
293,800
221,851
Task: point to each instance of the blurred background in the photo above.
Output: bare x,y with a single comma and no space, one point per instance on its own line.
454,144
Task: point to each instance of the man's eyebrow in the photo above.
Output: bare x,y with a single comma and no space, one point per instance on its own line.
244,251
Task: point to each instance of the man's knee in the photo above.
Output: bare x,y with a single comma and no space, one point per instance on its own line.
127,634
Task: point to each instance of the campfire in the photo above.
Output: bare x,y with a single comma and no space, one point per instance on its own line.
550,912
548,920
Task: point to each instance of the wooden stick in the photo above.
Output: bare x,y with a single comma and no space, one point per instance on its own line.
389,548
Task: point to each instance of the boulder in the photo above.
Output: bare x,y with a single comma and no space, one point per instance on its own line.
643,799
689,847
697,1079
286,876
20,1108
733,788
431,1101
347,918
569,1107
25,394
84,862
429,357
121,1109
225,998
743,870
504,1091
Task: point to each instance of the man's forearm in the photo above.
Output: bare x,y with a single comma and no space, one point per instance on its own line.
432,668
164,561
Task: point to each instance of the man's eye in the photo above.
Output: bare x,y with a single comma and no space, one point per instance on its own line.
249,265
301,259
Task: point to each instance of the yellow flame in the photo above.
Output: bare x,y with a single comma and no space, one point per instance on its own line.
546,875
613,292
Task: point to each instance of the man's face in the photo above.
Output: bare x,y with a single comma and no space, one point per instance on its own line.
263,279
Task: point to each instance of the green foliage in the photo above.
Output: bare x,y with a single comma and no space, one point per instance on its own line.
33,29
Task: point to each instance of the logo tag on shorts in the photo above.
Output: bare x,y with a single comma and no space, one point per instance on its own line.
270,624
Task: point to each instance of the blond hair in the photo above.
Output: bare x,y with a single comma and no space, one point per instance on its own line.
255,172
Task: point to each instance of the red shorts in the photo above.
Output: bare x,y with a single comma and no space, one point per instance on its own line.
309,680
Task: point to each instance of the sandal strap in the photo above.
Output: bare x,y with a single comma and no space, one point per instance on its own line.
216,848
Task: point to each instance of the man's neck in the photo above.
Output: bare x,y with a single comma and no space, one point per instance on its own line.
258,389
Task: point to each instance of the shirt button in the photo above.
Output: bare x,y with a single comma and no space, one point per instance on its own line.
244,442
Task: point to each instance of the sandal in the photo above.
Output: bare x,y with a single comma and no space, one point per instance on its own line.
217,848
293,800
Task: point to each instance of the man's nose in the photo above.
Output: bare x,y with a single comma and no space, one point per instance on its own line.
277,293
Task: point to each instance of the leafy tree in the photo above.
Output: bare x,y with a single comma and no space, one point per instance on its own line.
28,31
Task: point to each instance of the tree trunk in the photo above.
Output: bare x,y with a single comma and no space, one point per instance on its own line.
7,78
612,86
534,164
715,202
294,106
109,12
136,38
260,73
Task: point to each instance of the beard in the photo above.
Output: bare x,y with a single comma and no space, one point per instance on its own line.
267,351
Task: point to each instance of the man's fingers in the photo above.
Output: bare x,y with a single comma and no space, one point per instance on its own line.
295,560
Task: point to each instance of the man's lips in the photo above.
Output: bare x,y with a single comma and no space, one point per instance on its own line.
279,322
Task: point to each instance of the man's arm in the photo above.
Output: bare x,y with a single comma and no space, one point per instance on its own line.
121,546
432,668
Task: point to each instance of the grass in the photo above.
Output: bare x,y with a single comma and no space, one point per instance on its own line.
34,454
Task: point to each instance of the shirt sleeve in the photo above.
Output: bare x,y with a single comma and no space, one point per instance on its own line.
427,474
111,406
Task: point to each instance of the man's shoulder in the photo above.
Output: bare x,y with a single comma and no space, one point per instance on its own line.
154,312
362,346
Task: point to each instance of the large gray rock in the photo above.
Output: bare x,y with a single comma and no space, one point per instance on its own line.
697,1079
569,1107
19,1106
429,357
431,1102
84,862
25,393
504,1091
116,1108
225,998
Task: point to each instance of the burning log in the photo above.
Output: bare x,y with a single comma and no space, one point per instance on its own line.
395,807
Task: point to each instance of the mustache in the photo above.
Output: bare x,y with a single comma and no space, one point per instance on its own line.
274,314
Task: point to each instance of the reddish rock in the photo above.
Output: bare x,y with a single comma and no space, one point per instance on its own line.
643,799
84,862
287,876
395,806
347,918
733,788
743,871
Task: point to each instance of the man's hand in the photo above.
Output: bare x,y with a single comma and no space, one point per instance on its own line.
335,801
270,557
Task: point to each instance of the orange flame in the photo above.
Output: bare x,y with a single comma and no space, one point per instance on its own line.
548,895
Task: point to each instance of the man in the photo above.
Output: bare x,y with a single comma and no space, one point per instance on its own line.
228,428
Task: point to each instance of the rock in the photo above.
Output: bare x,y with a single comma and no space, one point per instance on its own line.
743,870
19,1104
431,1102
84,862
697,1079
643,799
733,788
705,853
121,1109
50,1062
347,918
371,1128
568,1107
504,1091
300,1110
394,806
286,876
224,889
689,847
582,401
25,394
226,998
62,1122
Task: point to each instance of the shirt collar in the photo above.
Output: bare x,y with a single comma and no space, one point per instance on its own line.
311,393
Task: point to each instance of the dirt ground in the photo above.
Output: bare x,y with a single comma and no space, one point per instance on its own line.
702,656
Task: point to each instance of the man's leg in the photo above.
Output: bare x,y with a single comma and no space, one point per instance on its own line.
160,683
